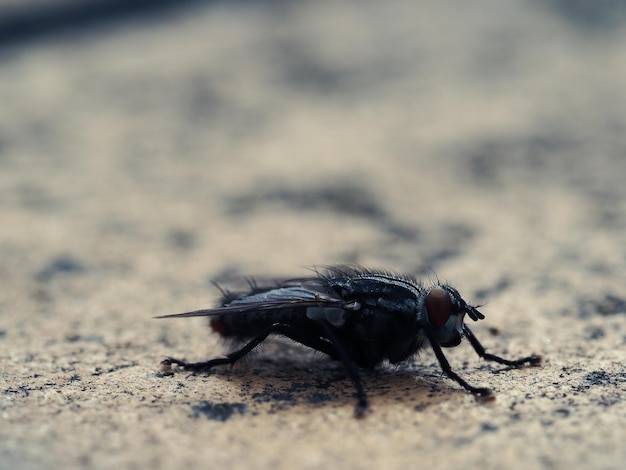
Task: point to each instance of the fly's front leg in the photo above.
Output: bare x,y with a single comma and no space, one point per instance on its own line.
480,392
532,360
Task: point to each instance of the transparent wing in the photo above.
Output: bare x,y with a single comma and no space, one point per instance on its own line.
312,295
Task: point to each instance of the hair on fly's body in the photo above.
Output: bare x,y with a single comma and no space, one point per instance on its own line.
357,316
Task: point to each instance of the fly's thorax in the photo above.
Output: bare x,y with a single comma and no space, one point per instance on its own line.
442,311
378,291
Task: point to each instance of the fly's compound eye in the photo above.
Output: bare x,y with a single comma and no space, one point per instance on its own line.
438,306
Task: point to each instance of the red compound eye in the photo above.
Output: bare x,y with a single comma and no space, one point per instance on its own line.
438,306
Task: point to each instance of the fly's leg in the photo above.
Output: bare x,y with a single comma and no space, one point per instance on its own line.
332,347
362,406
481,392
289,331
533,360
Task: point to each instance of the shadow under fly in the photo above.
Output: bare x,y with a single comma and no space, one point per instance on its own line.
357,316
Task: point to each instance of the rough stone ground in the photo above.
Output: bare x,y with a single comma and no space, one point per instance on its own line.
144,155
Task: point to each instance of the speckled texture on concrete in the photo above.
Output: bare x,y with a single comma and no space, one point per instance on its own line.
141,159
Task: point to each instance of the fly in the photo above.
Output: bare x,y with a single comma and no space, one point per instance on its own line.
357,316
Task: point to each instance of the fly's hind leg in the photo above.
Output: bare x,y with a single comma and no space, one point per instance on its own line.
289,331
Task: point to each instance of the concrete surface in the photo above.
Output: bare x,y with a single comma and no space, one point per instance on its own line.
141,158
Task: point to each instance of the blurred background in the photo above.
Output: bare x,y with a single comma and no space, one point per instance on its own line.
174,142
148,147
277,134
159,145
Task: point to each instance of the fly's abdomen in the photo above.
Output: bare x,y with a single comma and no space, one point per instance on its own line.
250,324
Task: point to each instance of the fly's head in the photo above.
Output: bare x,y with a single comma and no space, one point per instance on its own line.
444,309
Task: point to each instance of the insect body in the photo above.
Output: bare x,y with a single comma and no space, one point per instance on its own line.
357,316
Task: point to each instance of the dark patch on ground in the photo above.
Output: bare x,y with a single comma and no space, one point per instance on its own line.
287,387
290,395
488,292
303,69
61,265
217,411
443,244
181,240
434,258
606,207
488,427
494,331
607,305
101,371
74,338
45,20
421,406
610,384
561,412
601,378
489,161
318,398
35,198
420,255
20,390
340,198
598,16
595,333
344,199
546,160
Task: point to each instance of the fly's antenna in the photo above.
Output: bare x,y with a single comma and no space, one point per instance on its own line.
473,312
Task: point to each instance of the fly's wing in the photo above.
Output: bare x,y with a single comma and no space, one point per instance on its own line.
311,295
